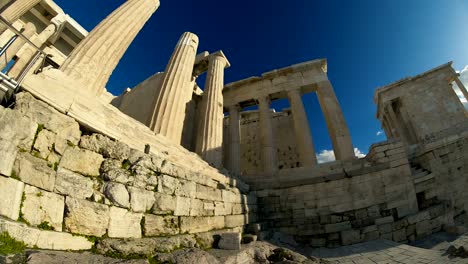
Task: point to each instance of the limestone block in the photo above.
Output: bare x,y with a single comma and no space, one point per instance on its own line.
167,184
9,152
230,197
164,204
349,237
141,200
384,220
399,235
421,216
86,218
18,129
156,225
63,126
123,223
34,171
196,208
73,184
112,171
208,193
44,143
41,207
200,224
183,206
332,228
423,228
10,203
117,194
186,189
105,146
82,161
230,241
33,237
236,220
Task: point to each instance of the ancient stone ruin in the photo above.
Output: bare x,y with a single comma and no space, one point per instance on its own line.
161,168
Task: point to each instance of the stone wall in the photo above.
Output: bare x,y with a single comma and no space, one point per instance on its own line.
59,183
284,139
369,199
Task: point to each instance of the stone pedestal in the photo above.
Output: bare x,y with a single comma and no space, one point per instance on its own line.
28,32
304,141
95,58
234,138
16,10
269,150
28,51
169,104
337,128
210,125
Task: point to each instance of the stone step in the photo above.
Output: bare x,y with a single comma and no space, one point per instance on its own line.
423,178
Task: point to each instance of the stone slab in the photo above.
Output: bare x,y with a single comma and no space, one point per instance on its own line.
10,203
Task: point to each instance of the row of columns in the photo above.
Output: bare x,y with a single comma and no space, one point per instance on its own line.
338,130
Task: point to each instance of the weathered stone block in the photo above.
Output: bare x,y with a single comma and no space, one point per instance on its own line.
141,200
164,204
35,171
86,218
41,207
423,228
318,242
421,216
123,223
384,220
333,228
105,146
399,235
9,152
186,189
34,237
230,241
73,184
200,224
10,203
156,225
167,184
183,206
208,193
117,194
236,220
82,161
44,143
18,129
349,237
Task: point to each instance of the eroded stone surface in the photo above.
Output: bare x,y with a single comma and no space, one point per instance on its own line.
12,191
156,225
73,184
82,161
123,223
35,171
87,218
118,194
105,146
43,208
230,241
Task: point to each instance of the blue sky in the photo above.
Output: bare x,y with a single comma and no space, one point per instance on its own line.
367,43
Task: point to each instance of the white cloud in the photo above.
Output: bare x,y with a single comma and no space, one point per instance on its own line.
328,155
464,79
379,133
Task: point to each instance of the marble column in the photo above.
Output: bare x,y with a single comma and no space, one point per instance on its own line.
269,150
305,145
400,130
28,32
337,128
170,103
210,115
461,87
234,139
28,51
16,10
95,58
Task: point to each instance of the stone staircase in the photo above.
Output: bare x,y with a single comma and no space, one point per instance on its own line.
424,182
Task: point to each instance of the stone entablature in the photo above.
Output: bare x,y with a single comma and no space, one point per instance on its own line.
290,82
419,108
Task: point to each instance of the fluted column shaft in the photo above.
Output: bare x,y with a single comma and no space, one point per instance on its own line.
29,30
234,137
210,127
28,51
337,128
170,103
305,145
95,58
269,152
16,10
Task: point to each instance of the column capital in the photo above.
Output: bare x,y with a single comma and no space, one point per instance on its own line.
263,99
219,55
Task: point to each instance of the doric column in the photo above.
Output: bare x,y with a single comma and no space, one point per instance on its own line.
28,51
234,139
29,30
169,104
210,116
461,87
396,123
16,10
95,58
337,128
269,151
305,145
